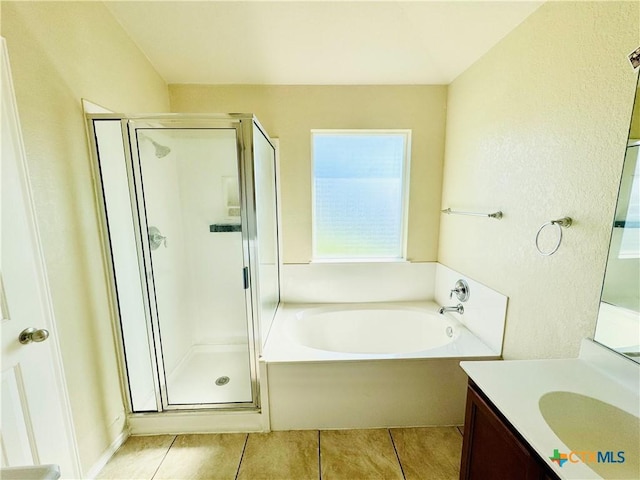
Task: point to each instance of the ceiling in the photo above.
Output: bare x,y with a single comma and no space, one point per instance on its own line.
317,42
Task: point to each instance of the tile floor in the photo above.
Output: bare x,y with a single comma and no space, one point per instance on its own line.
431,453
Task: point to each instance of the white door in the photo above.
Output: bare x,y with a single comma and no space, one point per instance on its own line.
35,426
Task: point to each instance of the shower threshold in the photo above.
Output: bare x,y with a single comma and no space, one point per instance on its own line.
210,374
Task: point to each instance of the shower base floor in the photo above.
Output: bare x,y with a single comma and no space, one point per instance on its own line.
193,381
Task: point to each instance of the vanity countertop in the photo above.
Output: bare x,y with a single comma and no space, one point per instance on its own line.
515,388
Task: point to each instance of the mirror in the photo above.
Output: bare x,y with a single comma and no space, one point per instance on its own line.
618,324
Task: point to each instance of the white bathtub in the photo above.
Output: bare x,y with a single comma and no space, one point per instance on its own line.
360,331
367,366
373,329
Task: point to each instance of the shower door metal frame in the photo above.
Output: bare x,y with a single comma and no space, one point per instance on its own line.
242,124
108,255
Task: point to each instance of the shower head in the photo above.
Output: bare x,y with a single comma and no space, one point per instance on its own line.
161,150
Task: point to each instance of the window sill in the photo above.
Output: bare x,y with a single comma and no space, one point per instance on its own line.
359,260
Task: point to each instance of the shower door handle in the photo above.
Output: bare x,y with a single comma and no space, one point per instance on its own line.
245,277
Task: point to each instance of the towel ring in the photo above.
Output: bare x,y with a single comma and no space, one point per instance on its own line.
562,222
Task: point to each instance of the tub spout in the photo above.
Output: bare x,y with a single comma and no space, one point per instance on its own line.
458,309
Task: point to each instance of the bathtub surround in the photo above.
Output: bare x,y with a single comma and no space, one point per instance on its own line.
357,282
312,388
397,282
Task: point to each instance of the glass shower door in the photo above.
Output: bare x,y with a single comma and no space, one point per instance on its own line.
189,204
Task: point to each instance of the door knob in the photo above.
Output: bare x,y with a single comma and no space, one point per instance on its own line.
31,334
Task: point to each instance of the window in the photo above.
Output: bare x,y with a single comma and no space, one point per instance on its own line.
360,194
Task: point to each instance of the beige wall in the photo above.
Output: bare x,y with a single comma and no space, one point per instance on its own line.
60,53
537,128
290,112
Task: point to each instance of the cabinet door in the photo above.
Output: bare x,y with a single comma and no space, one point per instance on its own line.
490,450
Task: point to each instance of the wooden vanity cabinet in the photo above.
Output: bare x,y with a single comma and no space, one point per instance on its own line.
492,449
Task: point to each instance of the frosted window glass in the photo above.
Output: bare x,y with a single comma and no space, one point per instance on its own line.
359,197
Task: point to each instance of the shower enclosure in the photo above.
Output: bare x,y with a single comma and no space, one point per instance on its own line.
190,222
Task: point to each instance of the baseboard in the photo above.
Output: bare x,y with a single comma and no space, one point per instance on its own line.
108,453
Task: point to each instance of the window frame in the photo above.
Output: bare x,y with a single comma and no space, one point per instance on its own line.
406,177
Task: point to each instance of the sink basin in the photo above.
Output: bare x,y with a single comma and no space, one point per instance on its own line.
585,425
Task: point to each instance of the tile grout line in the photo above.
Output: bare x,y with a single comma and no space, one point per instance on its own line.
244,448
164,457
393,443
319,458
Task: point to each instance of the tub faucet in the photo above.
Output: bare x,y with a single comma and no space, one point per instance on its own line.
458,309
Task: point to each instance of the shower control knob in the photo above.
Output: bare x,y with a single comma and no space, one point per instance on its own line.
29,335
460,290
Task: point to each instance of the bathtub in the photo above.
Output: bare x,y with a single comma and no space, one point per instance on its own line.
367,366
